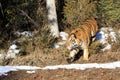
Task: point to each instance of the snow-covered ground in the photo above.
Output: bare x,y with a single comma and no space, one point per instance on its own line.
107,36
24,33
64,37
31,69
5,69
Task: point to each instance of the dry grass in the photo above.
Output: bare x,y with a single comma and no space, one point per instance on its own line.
95,47
30,59
40,40
116,46
41,57
32,51
40,53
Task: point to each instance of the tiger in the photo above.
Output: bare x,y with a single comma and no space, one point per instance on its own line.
80,38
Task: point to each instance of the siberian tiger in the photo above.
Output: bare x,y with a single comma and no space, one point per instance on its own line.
81,38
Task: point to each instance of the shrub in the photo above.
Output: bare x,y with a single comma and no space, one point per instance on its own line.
20,15
76,11
95,47
43,39
40,41
116,46
109,11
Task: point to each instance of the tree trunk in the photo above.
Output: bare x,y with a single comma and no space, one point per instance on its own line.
52,18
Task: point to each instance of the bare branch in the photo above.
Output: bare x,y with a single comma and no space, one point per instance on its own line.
26,15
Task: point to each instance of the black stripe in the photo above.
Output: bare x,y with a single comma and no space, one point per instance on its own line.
73,34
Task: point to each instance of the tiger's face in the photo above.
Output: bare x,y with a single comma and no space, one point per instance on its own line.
72,42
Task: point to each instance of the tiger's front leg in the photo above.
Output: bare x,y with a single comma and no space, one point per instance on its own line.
72,55
86,54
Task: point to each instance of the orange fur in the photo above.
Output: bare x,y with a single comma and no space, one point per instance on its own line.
80,37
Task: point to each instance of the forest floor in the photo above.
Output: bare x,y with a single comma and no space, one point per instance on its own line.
64,74
56,58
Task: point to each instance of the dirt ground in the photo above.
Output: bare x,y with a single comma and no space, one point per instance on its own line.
58,57
63,74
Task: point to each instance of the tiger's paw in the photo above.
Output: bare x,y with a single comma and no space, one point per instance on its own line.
85,59
70,60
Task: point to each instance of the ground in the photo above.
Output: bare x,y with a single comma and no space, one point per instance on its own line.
58,57
63,74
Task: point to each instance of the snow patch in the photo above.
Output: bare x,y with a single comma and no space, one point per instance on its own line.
64,37
12,51
112,65
24,33
107,47
5,69
30,72
86,66
106,36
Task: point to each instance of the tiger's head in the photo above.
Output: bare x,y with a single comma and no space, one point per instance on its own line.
72,42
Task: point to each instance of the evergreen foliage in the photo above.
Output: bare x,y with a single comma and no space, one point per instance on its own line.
31,15
76,11
20,15
109,11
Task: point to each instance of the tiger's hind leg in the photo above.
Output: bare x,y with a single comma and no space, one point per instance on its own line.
92,39
93,36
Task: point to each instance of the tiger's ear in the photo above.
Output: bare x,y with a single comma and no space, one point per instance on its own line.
73,35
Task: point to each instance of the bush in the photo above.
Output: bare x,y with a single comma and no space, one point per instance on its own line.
20,15
43,39
76,11
95,47
40,41
116,46
109,11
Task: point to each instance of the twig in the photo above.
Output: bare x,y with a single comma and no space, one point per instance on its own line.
32,21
